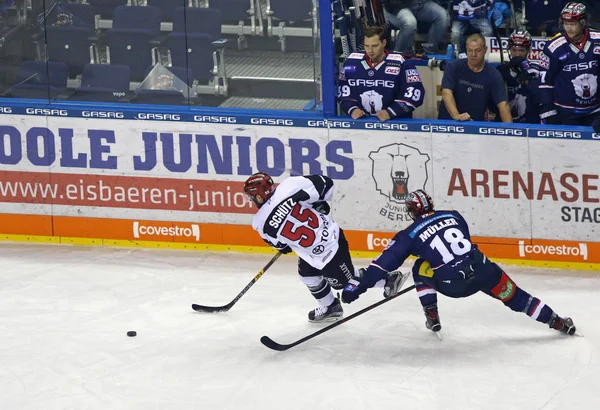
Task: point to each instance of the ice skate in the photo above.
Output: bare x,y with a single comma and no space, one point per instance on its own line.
433,318
563,325
329,313
394,283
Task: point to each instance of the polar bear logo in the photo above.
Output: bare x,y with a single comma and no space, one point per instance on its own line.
585,85
371,101
399,169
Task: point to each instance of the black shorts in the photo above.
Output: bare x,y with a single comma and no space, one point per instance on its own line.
338,271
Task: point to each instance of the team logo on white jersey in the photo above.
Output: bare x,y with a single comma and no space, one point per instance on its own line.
397,170
372,101
585,85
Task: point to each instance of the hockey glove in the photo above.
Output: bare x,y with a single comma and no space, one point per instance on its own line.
285,250
548,114
353,290
322,207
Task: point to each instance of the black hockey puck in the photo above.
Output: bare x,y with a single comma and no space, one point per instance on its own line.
131,333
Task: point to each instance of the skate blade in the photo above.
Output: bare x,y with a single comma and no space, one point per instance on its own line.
328,320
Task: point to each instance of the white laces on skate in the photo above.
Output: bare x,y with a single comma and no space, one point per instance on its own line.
321,310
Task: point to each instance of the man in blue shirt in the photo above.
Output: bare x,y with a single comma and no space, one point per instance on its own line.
468,84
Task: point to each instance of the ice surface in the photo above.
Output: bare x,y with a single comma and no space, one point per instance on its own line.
65,311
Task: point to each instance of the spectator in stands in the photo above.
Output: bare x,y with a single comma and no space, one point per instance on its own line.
541,16
404,14
468,84
379,83
471,16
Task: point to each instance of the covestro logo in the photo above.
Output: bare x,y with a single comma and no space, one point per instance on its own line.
374,242
191,231
560,250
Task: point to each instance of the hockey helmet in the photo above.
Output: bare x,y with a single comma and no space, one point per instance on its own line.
519,38
259,188
574,11
418,203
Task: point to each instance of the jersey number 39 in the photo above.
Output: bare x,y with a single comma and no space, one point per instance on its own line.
303,234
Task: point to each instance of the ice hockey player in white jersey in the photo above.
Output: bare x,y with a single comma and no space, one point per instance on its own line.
295,216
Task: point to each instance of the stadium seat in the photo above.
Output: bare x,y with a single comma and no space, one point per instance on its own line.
231,10
197,20
41,80
103,82
290,14
235,17
70,45
106,8
132,48
167,6
286,10
81,11
138,18
194,51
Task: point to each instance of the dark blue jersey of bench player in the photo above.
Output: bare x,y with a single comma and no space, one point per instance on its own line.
394,84
440,237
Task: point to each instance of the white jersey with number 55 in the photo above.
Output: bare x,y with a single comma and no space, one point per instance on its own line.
289,218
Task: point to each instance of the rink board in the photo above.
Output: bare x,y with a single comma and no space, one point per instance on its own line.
528,193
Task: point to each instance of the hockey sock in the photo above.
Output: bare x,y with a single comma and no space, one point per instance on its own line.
427,295
320,289
521,301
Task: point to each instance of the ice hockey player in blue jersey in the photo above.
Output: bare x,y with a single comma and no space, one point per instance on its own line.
449,263
522,79
379,83
569,80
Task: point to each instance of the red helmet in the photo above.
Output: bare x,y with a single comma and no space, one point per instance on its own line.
259,188
574,11
520,38
418,203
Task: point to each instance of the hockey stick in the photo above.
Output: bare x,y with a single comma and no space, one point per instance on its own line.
498,38
271,344
225,308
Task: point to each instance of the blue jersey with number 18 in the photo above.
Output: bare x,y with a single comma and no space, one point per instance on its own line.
440,237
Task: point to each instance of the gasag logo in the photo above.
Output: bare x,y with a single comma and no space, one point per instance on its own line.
562,250
397,170
149,230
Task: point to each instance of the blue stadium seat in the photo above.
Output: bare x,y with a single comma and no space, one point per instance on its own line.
41,80
231,10
286,10
70,45
103,82
106,7
83,12
194,51
167,6
298,12
197,20
132,48
138,18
